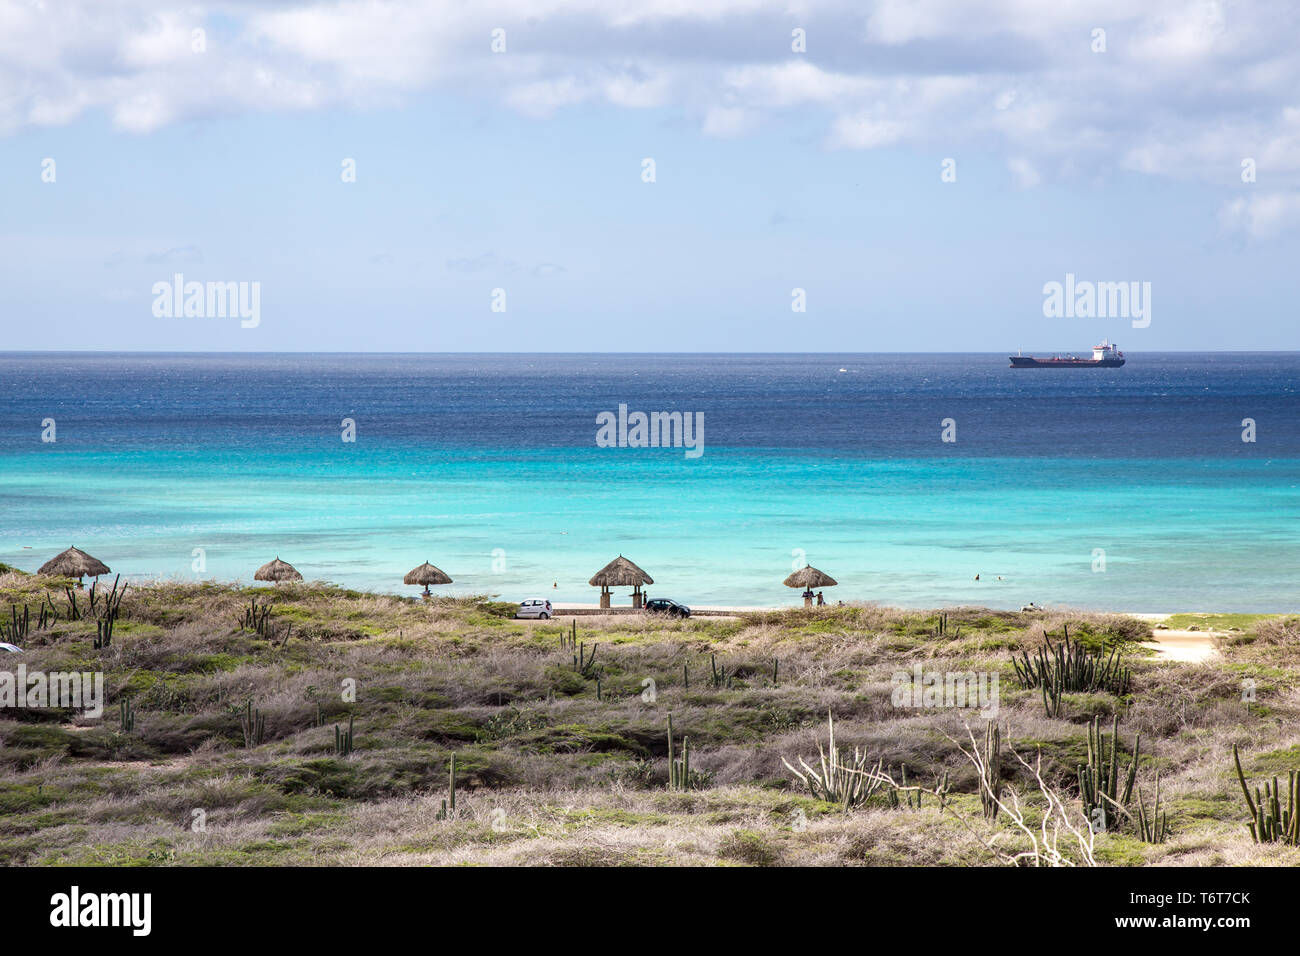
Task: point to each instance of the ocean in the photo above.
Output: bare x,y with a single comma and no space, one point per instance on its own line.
1110,489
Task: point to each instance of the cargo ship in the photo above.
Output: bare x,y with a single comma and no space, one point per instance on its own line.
1105,355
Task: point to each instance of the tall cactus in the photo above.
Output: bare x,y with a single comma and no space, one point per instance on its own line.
848,781
991,779
1153,828
253,723
448,809
679,771
1101,783
1069,666
343,739
1271,820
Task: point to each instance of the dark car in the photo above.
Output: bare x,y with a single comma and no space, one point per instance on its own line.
666,606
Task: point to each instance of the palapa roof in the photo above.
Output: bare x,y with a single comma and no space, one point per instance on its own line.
620,573
277,570
74,563
810,577
426,574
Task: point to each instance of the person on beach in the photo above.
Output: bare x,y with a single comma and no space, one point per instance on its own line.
821,600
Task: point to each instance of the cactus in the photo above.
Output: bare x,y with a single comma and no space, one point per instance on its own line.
18,630
672,780
343,739
449,804
127,715
1272,820
1069,666
679,771
1099,780
991,776
569,642
1155,828
49,614
916,794
583,663
113,600
850,782
107,618
257,617
104,632
720,677
253,723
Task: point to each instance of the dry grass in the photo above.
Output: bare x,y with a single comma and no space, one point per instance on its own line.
549,774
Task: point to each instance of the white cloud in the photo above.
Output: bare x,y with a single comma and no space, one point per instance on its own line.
1186,88
1026,176
1262,216
728,122
864,132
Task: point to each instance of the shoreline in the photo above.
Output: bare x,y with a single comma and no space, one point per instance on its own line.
589,608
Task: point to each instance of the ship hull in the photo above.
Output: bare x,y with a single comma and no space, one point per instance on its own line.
1026,361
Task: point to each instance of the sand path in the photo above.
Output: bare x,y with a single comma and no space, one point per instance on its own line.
1187,647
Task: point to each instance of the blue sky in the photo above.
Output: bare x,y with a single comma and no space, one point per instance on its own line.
774,170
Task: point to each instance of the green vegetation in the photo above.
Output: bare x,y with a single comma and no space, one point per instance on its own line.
390,730
1272,820
1214,622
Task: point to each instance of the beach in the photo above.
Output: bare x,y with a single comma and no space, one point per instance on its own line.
1095,492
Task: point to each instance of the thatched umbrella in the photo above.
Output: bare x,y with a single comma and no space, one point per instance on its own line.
277,571
809,578
426,574
620,573
74,563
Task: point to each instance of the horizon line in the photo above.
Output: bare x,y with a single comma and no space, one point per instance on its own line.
1185,351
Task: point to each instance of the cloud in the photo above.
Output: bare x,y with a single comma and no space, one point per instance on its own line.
176,254
864,132
1184,89
728,122
1023,172
1262,216
473,265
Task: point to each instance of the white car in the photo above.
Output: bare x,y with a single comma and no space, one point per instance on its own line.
536,608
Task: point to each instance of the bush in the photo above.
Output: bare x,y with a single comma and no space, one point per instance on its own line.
748,847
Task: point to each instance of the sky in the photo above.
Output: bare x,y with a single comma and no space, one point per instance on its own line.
909,173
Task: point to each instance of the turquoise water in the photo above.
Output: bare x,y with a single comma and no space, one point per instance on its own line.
153,473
